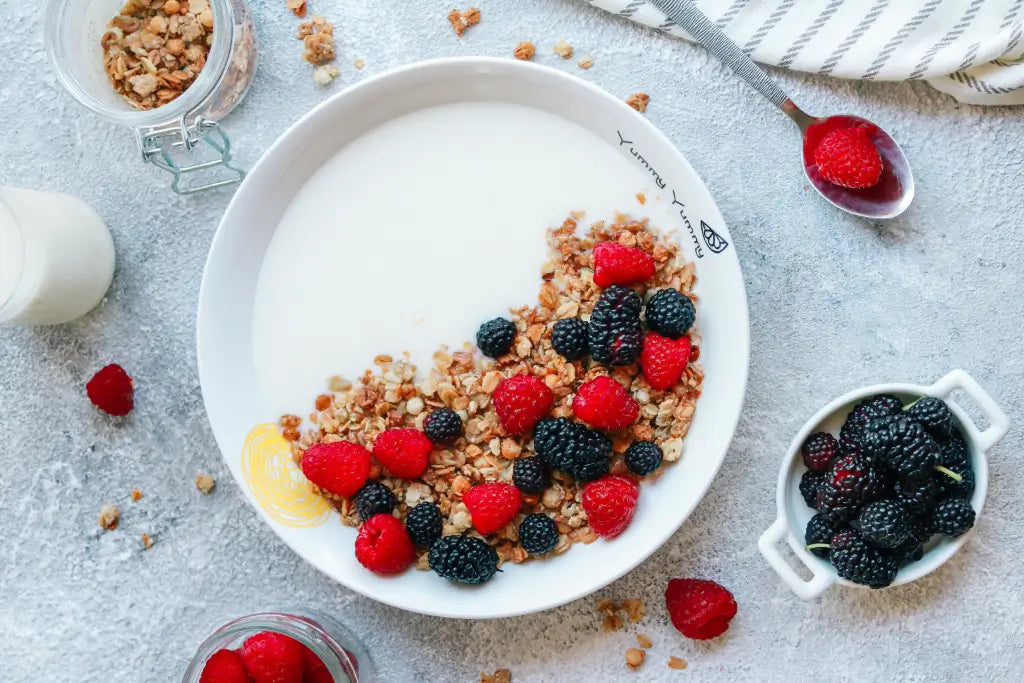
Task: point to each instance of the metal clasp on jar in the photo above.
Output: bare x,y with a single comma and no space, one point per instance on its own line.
158,144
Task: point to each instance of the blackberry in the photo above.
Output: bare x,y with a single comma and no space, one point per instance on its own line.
494,338
932,414
835,506
820,530
854,480
876,438
530,475
443,426
463,559
570,338
819,450
948,486
884,524
916,496
643,457
424,524
953,517
879,406
857,561
374,498
572,448
913,454
538,534
670,313
615,332
953,452
810,484
912,549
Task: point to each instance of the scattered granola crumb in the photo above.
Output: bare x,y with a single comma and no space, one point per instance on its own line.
563,49
205,483
325,75
317,35
635,658
499,676
643,641
525,50
136,495
585,62
109,515
676,663
463,19
639,101
359,64
635,609
641,197
147,541
298,7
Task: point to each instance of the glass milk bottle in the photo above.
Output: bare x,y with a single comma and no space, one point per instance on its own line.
56,257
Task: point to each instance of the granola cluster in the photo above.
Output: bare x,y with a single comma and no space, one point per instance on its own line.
317,36
395,395
153,50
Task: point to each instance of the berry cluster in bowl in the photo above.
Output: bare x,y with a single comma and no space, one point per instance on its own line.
896,476
537,442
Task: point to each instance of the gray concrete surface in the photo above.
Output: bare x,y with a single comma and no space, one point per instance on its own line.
835,302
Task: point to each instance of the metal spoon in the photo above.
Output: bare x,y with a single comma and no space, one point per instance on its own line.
895,189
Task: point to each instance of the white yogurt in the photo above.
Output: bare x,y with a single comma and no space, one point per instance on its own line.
56,257
417,232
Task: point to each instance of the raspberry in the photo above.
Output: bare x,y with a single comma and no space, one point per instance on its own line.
699,609
953,517
530,475
572,448
374,499
383,545
819,532
885,524
492,505
570,337
538,534
610,503
848,158
643,457
403,451
521,401
856,561
112,391
819,450
932,414
617,264
314,669
604,403
340,468
443,426
664,360
494,338
463,559
424,524
272,658
670,313
811,483
224,666
615,331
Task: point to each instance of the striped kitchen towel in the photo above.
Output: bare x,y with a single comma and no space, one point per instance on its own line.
971,49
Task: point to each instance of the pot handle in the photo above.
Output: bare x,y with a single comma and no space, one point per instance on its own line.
998,421
768,544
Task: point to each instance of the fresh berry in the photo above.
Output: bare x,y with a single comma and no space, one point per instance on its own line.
848,158
913,454
819,450
272,658
948,486
670,313
424,524
604,403
953,517
530,475
225,666
820,530
854,480
877,439
811,483
857,561
464,559
538,534
610,503
643,457
494,338
383,545
572,448
835,506
313,668
884,524
872,408
617,264
932,414
340,468
664,360
443,426
570,338
521,401
492,505
954,453
912,549
111,390
917,497
374,499
404,451
615,331
699,609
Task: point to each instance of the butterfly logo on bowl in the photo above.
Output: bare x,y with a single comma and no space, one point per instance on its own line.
277,483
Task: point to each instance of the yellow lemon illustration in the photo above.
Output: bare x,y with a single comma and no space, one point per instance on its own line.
277,482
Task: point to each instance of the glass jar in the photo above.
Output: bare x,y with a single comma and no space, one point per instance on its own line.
341,652
168,136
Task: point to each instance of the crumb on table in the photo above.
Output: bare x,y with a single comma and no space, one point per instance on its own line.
639,101
136,495
205,483
641,197
635,658
585,62
463,19
499,676
317,35
147,541
525,50
324,75
644,641
562,49
298,7
359,64
676,663
109,516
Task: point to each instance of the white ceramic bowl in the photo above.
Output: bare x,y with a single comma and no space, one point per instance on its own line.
793,513
242,416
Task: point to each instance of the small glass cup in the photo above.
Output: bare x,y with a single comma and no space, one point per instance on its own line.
338,648
73,29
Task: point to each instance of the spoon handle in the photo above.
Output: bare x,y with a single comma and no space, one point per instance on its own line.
693,21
